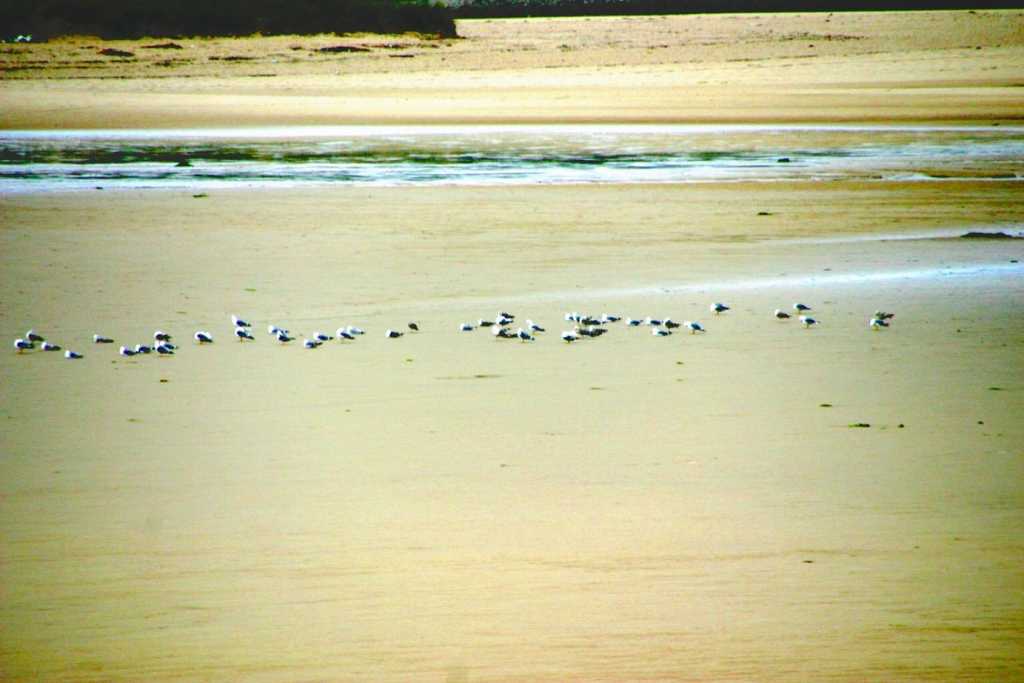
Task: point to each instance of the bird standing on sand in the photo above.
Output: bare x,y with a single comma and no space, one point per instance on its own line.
801,307
161,336
32,336
533,327
283,337
23,345
238,322
808,320
204,337
570,337
47,346
523,335
718,307
781,315
695,327
877,323
661,332
243,333
466,327
882,315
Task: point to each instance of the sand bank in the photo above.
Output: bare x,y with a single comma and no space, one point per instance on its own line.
449,507
933,66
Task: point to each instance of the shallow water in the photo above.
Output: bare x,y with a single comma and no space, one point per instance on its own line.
46,161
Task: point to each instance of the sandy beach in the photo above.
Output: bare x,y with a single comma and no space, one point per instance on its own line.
758,502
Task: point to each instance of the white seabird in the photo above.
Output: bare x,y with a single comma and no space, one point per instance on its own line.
523,335
718,307
243,333
877,322
125,351
32,336
466,327
653,321
275,330
391,334
204,337
502,333
660,332
311,343
71,354
632,322
165,349
694,326
47,346
238,322
671,324
161,336
23,345
343,334
801,307
570,337
320,336
98,339
533,327
605,318
484,323
139,348
808,320
283,337
781,315
354,330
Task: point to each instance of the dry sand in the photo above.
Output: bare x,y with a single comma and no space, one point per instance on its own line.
447,507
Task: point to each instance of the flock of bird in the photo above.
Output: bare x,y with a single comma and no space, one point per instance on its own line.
500,326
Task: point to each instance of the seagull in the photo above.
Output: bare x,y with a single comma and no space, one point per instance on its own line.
276,331
97,339
610,318
139,348
502,333
801,307
23,344
533,327
165,349
877,322
466,327
243,333
658,332
354,330
781,315
238,322
311,343
652,321
570,337
808,320
882,315
47,346
590,320
391,334
204,337
632,322
71,354
161,336
484,323
671,324
718,307
523,335
125,351
33,337
343,335
503,320
573,317
321,337
283,337
502,314
414,327
694,326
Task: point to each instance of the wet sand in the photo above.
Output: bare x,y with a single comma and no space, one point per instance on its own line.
449,507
